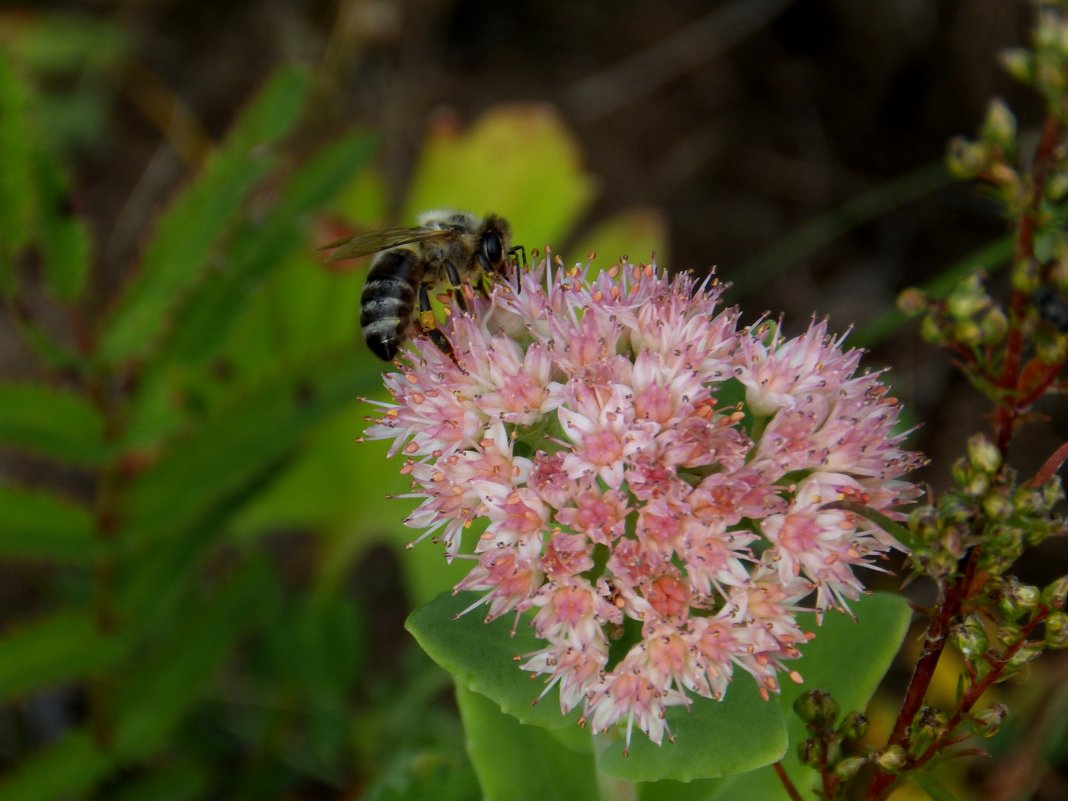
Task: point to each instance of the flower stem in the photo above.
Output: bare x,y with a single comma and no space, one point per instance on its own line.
788,785
976,690
933,645
1007,413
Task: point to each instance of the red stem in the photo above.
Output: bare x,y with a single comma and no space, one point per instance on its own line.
1007,413
786,783
975,692
1049,467
933,645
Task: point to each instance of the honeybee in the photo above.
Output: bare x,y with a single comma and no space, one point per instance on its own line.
450,247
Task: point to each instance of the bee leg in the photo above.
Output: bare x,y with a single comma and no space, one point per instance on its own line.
517,263
522,251
454,279
428,324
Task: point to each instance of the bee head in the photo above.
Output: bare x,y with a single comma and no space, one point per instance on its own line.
493,244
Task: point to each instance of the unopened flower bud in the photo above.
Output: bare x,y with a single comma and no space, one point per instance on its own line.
997,506
966,159
1052,492
988,722
833,753
1057,630
931,331
816,708
977,485
994,325
1057,186
923,522
929,725
1026,654
955,539
999,125
1055,594
1039,530
1052,349
941,564
810,752
967,332
1008,634
892,759
961,471
912,301
968,297
983,454
854,726
847,768
1027,501
955,508
1004,545
969,636
1018,600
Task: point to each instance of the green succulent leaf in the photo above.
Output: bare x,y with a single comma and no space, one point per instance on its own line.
517,762
482,657
712,738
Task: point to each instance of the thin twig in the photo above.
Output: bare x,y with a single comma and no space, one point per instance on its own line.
786,783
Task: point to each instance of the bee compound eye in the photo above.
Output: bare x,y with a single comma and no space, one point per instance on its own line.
492,248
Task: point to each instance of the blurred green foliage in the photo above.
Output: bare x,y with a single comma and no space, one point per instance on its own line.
182,611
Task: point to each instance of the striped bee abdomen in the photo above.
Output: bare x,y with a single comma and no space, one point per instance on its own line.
387,301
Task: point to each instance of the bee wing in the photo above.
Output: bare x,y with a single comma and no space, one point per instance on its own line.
352,247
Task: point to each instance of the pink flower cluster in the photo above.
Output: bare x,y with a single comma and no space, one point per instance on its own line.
589,448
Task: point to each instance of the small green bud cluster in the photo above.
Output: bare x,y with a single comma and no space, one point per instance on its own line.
988,156
988,722
968,317
928,727
988,509
824,749
1045,66
968,320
